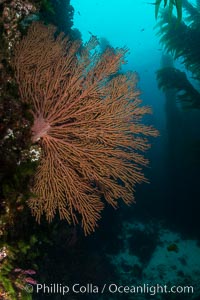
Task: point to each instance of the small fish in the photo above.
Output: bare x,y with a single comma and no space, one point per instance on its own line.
152,3
79,13
142,29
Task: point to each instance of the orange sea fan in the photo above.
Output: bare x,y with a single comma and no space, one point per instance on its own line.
87,122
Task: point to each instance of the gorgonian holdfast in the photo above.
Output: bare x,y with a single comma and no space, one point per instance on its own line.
87,122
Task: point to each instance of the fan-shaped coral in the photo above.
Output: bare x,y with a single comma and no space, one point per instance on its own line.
87,122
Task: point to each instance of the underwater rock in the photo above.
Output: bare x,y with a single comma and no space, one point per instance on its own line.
171,262
13,13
